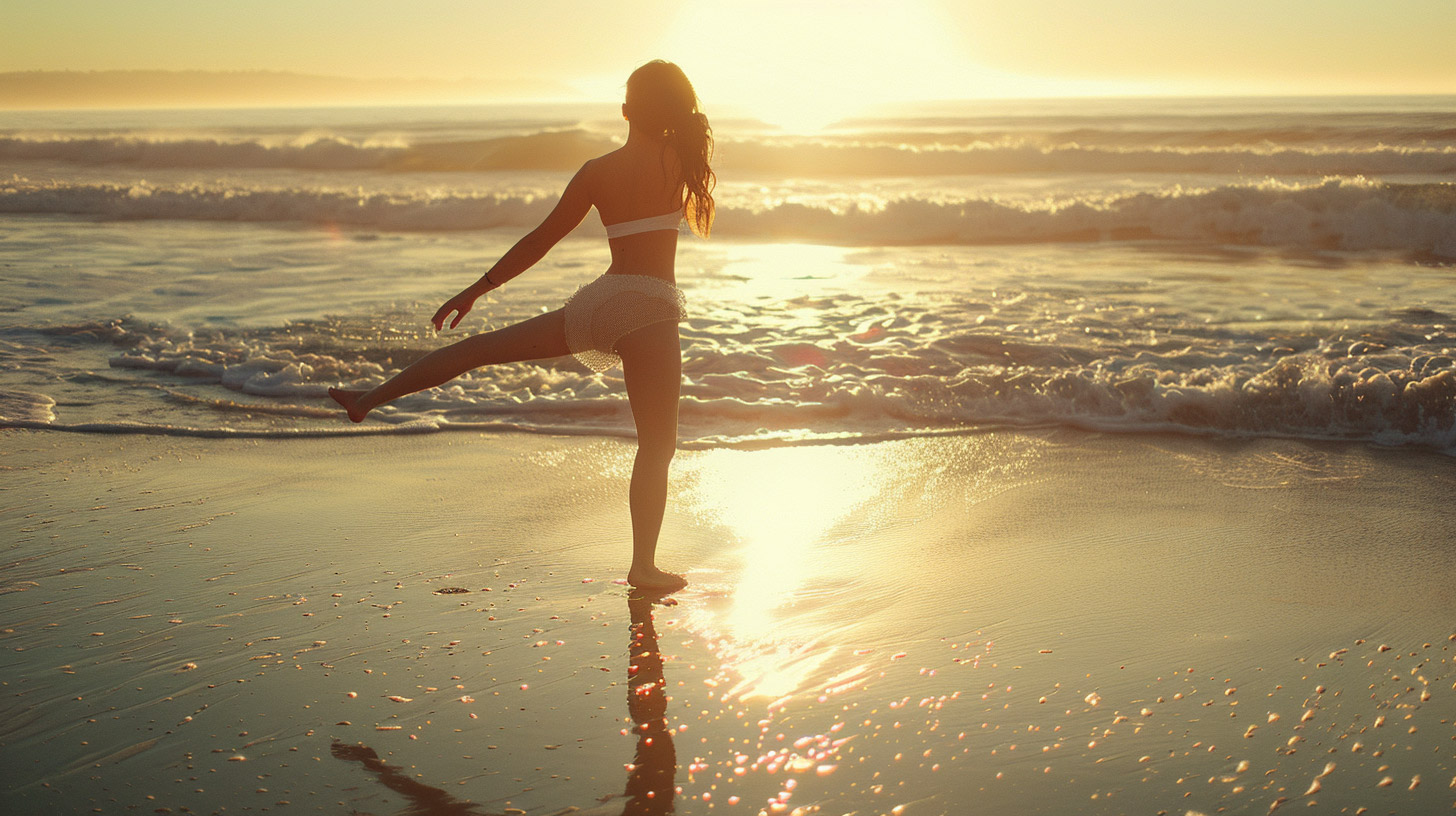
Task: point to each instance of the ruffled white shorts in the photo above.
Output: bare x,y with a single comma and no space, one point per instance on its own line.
611,307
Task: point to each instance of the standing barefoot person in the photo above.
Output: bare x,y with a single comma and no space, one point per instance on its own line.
642,191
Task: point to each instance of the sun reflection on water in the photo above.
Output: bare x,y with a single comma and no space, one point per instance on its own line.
779,270
780,506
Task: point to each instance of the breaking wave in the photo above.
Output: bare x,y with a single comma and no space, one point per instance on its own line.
1344,214
907,154
910,372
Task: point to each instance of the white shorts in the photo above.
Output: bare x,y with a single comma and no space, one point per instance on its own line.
611,307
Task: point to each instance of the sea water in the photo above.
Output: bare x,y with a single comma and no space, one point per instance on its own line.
1225,267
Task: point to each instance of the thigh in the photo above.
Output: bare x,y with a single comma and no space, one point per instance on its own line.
652,368
536,338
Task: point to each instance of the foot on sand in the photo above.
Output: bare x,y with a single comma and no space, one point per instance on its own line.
358,753
656,580
349,399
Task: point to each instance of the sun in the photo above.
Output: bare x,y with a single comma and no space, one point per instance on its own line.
802,64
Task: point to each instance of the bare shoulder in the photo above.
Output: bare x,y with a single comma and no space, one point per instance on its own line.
600,177
604,168
590,170
588,181
604,165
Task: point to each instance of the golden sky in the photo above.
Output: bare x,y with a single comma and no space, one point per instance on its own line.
810,58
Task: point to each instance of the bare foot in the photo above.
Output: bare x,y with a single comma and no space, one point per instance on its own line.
656,580
349,399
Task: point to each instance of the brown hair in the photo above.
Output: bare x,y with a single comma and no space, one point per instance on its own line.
661,99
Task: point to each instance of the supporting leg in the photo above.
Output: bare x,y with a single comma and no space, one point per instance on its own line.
652,368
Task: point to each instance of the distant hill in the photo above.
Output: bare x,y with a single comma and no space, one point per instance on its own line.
189,89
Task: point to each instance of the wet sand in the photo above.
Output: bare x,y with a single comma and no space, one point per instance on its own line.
1003,623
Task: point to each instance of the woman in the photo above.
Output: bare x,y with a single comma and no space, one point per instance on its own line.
642,191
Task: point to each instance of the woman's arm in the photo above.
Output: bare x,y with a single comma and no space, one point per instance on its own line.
576,201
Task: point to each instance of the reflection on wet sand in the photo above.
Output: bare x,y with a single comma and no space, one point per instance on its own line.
781,506
651,777
424,800
651,780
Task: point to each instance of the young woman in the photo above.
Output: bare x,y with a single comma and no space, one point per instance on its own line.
642,190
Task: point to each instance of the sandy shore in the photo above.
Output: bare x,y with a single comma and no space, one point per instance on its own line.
995,623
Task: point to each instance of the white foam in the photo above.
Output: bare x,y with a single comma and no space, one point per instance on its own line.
1393,386
895,154
426,211
26,406
308,151
1346,214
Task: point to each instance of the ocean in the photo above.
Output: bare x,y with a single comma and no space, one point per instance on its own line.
1241,268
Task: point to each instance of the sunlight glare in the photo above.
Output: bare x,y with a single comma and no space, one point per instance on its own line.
780,270
780,505
803,65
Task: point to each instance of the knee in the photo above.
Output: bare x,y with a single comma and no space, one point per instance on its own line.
657,452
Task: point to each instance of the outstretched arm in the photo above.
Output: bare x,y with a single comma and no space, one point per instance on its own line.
575,201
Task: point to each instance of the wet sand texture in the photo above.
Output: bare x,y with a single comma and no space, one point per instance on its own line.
1014,623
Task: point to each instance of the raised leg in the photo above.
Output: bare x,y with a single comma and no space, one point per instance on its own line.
538,338
652,368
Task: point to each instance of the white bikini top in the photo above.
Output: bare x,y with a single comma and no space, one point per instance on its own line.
666,221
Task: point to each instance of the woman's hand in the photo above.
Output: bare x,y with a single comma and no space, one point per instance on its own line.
460,305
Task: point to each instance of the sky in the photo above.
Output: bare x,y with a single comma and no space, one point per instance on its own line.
772,57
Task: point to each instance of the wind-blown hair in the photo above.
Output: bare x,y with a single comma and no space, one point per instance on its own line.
661,99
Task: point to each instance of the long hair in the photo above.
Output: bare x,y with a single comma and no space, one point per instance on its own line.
661,99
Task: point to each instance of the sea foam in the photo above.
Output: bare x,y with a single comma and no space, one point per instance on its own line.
924,371
1345,214
910,154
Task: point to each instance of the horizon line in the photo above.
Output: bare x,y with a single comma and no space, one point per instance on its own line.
69,89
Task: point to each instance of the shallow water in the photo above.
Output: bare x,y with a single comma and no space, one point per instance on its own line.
1255,268
242,332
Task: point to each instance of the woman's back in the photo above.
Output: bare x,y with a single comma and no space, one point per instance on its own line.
636,183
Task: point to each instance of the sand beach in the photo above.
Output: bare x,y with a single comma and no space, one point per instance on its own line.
1002,622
